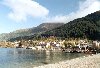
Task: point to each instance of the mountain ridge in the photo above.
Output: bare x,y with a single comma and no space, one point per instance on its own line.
29,31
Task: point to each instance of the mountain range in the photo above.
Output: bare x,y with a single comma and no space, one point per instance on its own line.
29,31
87,27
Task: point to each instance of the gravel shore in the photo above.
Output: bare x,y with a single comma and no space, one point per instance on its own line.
92,61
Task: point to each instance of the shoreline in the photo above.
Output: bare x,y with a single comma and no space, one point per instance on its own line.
91,61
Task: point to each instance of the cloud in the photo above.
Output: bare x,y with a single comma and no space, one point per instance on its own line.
58,18
85,7
21,9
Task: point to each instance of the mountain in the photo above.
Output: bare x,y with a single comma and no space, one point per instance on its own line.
30,31
85,27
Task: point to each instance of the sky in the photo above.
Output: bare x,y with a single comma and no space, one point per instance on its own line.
22,14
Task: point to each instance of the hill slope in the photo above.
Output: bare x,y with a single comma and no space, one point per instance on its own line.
86,27
29,32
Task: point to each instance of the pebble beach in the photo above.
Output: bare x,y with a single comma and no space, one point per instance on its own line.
90,61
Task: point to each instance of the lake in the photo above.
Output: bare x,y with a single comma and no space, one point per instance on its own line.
27,58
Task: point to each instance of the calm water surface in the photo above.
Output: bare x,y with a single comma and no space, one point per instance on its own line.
27,58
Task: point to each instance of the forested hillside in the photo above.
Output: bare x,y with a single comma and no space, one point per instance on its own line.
86,27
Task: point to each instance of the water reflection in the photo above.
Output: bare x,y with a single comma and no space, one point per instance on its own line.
25,58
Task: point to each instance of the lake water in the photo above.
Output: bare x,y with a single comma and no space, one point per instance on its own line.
27,58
